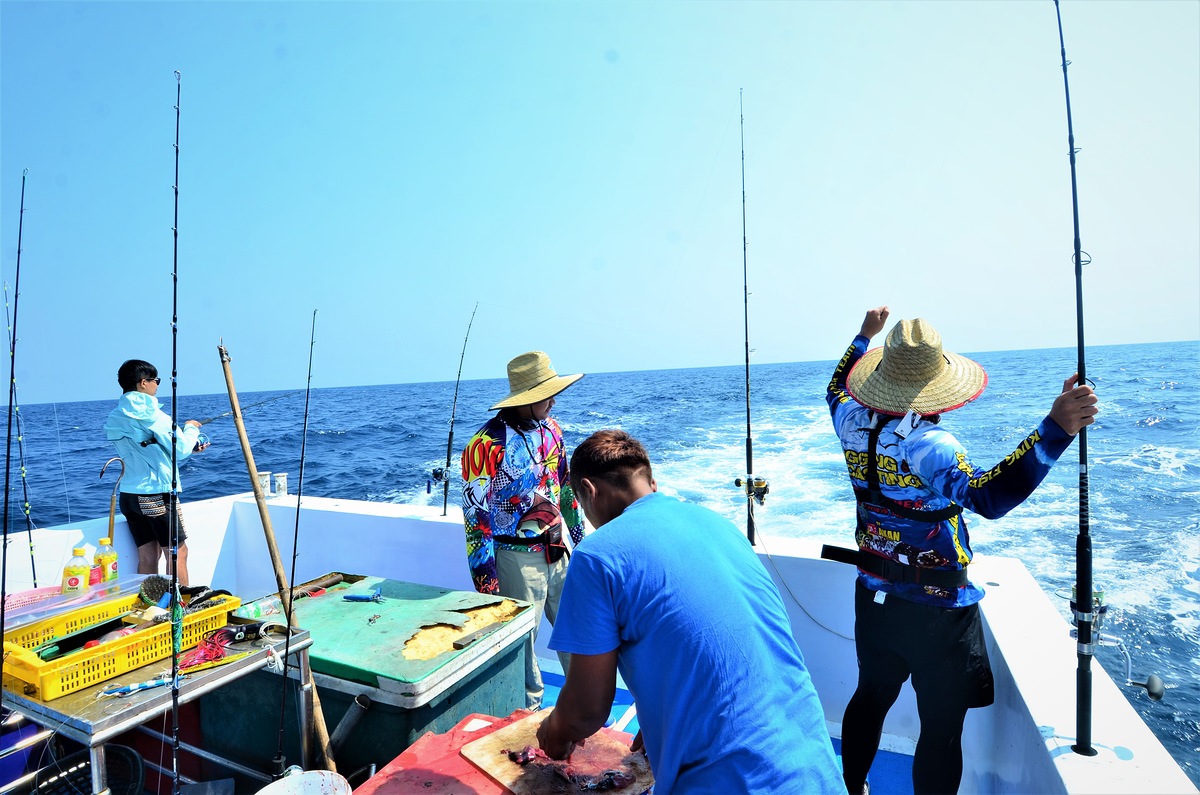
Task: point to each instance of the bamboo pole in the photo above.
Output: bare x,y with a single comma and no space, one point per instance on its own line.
319,730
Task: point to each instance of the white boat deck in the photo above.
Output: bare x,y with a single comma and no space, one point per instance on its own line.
1022,744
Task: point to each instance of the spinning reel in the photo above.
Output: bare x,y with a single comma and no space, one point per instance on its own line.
440,475
755,487
1153,685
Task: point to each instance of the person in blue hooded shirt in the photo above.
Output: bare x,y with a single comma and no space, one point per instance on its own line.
141,432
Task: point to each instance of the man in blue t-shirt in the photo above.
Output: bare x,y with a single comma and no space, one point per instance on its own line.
673,596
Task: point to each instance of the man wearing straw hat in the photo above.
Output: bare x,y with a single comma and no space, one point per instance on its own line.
916,610
516,500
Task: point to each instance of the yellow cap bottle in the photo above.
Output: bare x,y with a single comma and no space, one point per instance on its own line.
76,573
106,559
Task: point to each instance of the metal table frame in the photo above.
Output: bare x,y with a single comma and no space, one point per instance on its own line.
91,721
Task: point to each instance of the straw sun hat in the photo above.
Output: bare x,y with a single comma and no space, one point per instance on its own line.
531,379
911,372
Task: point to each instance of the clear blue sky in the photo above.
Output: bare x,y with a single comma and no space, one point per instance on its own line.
575,169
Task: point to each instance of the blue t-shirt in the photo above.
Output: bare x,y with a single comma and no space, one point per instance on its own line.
724,699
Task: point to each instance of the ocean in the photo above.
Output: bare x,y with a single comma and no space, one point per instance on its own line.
383,442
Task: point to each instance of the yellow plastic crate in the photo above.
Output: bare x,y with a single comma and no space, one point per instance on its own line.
62,624
29,675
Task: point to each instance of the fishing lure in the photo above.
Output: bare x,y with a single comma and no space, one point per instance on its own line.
122,691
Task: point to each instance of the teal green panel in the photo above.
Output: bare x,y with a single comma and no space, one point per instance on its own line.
348,644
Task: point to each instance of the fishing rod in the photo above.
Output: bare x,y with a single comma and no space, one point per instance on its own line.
443,475
12,396
252,405
287,644
176,607
1085,619
756,488
14,413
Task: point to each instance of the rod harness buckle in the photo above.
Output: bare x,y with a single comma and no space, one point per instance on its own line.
755,486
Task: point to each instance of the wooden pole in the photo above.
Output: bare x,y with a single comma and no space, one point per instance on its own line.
320,731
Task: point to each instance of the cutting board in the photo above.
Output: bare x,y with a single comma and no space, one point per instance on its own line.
487,753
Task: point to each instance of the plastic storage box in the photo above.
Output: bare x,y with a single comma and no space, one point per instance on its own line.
29,675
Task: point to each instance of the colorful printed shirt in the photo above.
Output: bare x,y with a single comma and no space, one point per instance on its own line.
929,470
514,485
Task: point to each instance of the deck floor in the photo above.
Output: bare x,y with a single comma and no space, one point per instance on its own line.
891,773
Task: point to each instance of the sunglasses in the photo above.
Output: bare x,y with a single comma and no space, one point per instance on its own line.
155,380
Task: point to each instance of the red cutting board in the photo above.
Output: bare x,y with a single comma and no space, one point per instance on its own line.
487,753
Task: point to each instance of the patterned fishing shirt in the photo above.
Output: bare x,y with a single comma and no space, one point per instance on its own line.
929,470
513,484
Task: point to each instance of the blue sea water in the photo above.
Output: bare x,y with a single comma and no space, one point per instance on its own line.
382,442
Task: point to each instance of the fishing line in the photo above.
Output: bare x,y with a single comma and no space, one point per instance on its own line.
12,397
61,465
176,607
1083,542
799,604
290,604
252,405
444,474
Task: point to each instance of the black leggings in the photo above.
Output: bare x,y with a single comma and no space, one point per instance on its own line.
937,763
943,650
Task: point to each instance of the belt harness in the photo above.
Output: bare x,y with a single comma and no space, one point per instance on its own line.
886,567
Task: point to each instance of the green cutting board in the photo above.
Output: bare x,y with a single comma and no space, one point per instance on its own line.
349,645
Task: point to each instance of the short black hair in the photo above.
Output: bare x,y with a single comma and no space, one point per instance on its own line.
133,372
612,456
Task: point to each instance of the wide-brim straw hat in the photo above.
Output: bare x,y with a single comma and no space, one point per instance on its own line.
531,379
911,372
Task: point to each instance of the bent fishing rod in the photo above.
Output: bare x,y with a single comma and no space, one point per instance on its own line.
444,474
756,488
1082,604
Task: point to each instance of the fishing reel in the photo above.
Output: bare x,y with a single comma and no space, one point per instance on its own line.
440,475
755,487
1153,685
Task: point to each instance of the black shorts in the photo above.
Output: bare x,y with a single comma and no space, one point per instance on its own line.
147,515
942,648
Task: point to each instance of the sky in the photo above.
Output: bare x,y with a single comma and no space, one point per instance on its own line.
575,171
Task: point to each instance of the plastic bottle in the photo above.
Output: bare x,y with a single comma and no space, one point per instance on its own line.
106,559
76,572
260,608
